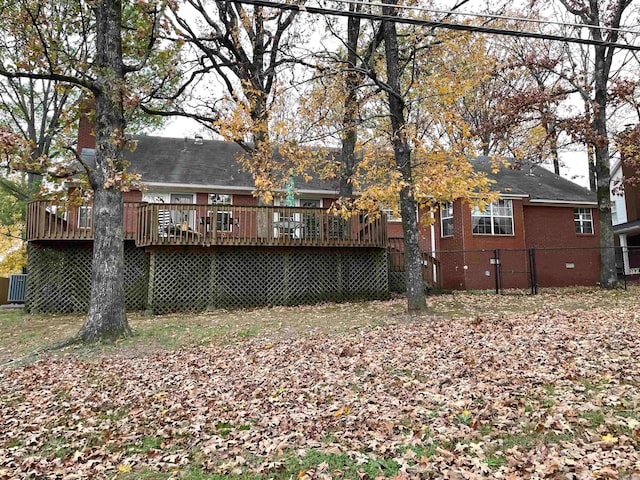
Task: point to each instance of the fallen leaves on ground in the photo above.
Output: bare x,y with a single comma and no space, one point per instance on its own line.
547,394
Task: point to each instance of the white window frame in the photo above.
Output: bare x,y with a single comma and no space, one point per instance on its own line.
178,217
84,219
583,218
490,217
446,214
224,218
391,216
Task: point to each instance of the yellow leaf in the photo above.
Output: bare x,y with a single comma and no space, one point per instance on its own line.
124,468
609,438
344,410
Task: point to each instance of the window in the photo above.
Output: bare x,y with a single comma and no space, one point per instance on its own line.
446,219
183,217
224,218
583,220
84,217
391,215
310,220
497,219
219,199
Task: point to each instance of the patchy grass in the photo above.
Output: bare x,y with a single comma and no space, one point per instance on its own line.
487,386
23,333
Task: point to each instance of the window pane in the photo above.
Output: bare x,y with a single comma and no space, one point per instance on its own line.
223,222
583,220
447,227
481,225
496,220
219,199
446,219
501,208
502,226
84,217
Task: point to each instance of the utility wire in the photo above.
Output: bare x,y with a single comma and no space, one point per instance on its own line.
435,24
489,16
11,236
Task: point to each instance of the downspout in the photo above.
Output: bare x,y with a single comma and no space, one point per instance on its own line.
433,245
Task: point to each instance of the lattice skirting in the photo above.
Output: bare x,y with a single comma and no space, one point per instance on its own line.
188,280
59,278
397,282
164,280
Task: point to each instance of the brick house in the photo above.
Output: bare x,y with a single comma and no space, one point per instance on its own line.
542,223
196,238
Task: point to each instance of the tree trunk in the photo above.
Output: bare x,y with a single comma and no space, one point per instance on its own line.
416,300
107,319
553,136
350,135
608,276
592,168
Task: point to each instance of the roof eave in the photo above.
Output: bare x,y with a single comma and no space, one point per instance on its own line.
560,203
233,188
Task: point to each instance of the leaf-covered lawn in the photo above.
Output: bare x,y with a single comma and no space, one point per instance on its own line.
499,387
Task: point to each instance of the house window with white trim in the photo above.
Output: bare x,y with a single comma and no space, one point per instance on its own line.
583,220
391,215
183,218
84,217
497,219
224,218
446,219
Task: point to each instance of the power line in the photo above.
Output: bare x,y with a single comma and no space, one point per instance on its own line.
490,16
11,236
435,24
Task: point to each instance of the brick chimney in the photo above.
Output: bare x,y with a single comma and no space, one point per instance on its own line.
86,137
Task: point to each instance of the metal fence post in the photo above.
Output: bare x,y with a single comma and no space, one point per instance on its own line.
533,272
496,267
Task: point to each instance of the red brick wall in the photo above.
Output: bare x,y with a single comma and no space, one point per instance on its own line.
394,230
86,139
479,250
452,259
466,257
551,230
244,200
132,196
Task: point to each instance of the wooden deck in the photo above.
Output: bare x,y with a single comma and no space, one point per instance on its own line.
209,225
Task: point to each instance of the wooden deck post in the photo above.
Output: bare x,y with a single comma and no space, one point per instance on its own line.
339,282
152,277
214,293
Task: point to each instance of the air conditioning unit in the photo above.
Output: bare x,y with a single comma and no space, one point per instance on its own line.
17,288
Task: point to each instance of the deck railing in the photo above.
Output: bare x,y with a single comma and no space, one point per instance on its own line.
206,225
431,270
49,220
180,224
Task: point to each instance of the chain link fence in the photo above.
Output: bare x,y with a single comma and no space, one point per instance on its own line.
517,271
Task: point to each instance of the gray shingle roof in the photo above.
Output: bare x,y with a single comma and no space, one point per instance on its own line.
534,181
214,163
